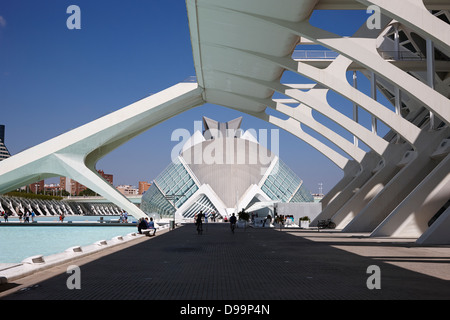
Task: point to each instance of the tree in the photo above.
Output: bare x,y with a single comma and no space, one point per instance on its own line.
87,192
243,215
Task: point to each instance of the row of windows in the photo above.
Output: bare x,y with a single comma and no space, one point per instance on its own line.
173,177
202,204
155,201
174,180
281,183
302,195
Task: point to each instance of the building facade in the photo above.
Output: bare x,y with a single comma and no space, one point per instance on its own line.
4,153
222,170
128,190
143,186
74,187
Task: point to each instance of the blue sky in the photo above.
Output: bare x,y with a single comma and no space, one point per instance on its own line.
53,79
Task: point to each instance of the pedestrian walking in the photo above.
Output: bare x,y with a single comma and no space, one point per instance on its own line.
233,222
199,223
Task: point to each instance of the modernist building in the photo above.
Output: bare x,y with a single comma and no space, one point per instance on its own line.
4,153
74,187
222,170
143,186
127,190
399,186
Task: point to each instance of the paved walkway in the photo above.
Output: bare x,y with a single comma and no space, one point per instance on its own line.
252,264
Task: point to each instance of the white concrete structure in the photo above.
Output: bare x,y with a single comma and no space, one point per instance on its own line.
75,153
241,50
222,171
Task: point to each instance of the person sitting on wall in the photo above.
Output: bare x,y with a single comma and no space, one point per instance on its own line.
142,225
151,224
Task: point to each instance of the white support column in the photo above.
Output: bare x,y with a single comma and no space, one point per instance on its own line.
75,153
373,93
438,231
398,105
396,43
378,177
431,74
413,168
348,191
74,166
410,219
355,106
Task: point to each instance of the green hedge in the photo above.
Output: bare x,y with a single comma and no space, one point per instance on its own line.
32,196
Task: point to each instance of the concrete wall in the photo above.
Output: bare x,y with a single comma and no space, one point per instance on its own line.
299,210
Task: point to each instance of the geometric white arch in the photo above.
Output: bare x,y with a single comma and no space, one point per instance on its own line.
75,153
363,51
316,99
290,125
331,77
250,68
301,115
260,35
418,18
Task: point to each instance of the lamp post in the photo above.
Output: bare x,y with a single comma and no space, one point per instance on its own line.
173,198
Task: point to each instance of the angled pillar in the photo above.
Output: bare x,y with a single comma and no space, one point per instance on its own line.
437,233
412,217
408,173
75,153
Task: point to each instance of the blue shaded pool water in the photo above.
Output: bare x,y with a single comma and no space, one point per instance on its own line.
18,243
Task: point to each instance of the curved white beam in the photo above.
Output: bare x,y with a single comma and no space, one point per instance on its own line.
303,115
363,51
418,18
317,101
75,153
333,77
290,125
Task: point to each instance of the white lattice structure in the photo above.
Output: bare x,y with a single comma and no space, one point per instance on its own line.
242,49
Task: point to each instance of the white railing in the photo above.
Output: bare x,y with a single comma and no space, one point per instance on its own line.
314,55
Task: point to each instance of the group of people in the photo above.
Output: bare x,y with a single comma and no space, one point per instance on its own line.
123,217
205,216
145,224
25,216
198,219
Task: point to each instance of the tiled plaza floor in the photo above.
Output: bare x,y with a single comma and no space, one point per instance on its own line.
252,264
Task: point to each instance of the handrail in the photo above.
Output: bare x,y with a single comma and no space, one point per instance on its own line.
314,54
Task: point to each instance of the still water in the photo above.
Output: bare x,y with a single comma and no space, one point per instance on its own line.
18,243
